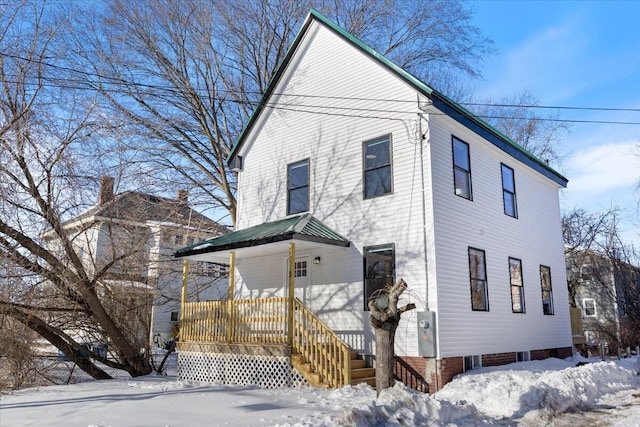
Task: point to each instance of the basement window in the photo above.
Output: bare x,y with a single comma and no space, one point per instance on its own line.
523,356
472,362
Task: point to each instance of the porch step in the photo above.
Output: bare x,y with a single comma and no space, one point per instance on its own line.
360,373
358,363
299,362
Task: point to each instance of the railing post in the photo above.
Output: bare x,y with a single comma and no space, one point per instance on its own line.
183,299
231,324
291,291
347,366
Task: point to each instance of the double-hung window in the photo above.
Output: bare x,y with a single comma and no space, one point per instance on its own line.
478,276
461,169
379,271
298,187
547,291
589,307
377,167
517,289
509,191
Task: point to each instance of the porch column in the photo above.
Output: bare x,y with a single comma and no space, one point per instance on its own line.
231,319
232,275
183,298
291,292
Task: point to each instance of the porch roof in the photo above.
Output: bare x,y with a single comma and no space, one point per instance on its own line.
300,227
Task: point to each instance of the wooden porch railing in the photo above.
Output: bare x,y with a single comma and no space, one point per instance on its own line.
264,321
261,320
329,355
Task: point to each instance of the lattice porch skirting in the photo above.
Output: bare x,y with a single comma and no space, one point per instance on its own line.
263,370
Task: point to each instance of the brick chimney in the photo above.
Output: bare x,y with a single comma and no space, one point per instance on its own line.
106,190
183,195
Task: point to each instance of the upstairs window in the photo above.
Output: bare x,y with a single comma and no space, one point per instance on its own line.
379,270
298,187
517,289
377,167
461,169
589,307
547,291
509,192
478,274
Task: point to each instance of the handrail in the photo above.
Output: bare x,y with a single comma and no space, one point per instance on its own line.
327,353
261,320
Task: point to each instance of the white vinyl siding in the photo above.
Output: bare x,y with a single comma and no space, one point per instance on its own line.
536,237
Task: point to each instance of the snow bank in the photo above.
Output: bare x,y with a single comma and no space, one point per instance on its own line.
400,406
526,390
540,388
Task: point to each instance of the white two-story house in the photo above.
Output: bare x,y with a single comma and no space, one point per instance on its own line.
352,173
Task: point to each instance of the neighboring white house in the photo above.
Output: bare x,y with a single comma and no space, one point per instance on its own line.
380,177
141,231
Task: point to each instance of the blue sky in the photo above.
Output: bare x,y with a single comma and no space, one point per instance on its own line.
577,54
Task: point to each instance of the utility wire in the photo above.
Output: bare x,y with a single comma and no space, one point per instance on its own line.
83,84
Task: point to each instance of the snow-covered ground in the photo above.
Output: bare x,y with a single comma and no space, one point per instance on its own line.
539,393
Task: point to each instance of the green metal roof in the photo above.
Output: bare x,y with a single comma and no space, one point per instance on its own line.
440,101
300,227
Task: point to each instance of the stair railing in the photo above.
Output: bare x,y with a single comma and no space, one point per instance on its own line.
327,353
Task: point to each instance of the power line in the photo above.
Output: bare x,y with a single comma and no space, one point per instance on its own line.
80,84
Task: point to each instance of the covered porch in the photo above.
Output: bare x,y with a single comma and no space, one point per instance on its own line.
270,340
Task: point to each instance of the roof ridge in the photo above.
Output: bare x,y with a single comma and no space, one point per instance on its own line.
300,223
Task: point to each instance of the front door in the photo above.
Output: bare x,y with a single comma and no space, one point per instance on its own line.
302,274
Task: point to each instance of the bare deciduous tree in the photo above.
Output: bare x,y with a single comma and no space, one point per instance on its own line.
183,76
42,131
519,117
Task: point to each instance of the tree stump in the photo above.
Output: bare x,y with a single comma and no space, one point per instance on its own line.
385,322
